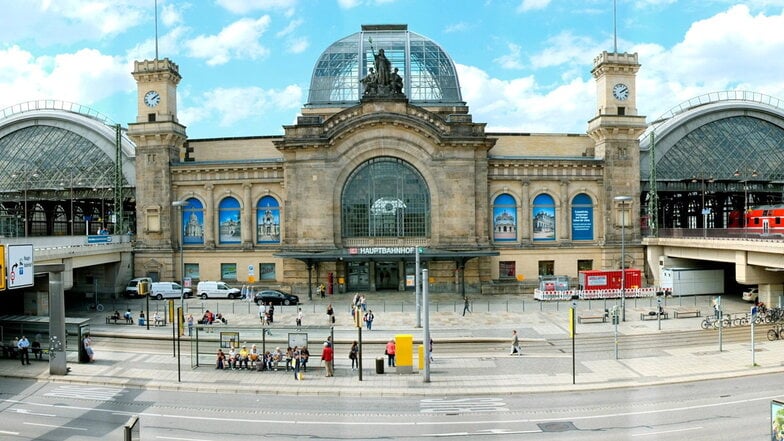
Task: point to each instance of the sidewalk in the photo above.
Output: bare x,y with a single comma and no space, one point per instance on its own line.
454,372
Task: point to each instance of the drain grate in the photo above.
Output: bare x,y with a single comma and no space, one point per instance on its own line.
563,426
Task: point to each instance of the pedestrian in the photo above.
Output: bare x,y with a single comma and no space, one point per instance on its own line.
390,351
299,317
189,321
295,361
263,313
430,350
353,355
515,344
88,347
330,315
271,313
466,305
363,303
327,356
369,317
24,350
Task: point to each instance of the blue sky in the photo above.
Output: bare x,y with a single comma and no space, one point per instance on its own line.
523,65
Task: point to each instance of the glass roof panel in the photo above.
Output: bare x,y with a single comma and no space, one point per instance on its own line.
429,75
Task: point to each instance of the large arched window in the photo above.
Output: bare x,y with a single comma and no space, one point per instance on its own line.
385,197
59,221
544,218
504,218
229,225
582,217
193,222
267,220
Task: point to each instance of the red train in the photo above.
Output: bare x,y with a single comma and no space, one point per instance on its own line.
764,220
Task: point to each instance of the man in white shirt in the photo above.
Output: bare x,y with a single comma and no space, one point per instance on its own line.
24,349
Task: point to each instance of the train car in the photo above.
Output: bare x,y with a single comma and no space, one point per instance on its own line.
765,220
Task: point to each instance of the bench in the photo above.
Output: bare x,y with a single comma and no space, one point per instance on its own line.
118,320
653,316
592,316
679,313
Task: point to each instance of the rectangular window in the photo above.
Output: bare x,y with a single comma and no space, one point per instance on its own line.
546,267
229,271
153,220
584,265
507,269
267,271
622,111
192,271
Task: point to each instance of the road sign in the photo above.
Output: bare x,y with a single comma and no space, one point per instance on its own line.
20,266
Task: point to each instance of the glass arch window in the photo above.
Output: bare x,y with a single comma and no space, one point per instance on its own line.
267,220
229,223
193,222
385,197
504,218
543,219
582,217
59,221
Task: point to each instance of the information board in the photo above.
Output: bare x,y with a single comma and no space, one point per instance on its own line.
19,266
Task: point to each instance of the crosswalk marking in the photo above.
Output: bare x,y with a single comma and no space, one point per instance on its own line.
86,393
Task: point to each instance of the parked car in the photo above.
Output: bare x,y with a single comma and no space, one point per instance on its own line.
169,290
276,297
751,294
132,289
216,290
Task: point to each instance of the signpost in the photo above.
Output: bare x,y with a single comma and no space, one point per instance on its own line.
19,266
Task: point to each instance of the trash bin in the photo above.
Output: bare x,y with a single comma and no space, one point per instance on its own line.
380,365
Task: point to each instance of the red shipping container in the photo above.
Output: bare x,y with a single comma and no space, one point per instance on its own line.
610,279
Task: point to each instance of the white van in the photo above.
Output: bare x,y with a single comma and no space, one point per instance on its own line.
132,290
208,290
168,290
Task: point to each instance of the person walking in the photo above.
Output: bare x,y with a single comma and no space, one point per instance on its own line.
390,351
353,355
515,344
330,315
24,350
88,347
327,356
295,362
466,305
189,321
369,317
299,317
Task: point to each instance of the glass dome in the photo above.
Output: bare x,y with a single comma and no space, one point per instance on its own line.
429,76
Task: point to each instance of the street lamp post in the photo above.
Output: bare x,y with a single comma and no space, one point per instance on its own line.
27,181
622,201
745,173
179,205
705,211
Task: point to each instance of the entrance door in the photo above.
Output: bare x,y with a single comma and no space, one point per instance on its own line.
358,277
387,276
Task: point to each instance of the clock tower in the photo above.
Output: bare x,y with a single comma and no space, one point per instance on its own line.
616,129
159,139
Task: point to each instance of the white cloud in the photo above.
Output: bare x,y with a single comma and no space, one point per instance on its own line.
234,106
245,6
84,77
297,45
512,59
238,40
532,5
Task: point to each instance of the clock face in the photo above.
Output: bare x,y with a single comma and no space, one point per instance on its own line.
152,98
620,91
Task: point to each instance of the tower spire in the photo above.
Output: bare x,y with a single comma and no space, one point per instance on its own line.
615,28
156,29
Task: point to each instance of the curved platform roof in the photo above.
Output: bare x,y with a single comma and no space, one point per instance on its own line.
429,74
52,144
725,136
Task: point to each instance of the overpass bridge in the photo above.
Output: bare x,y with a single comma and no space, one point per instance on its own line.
757,259
101,264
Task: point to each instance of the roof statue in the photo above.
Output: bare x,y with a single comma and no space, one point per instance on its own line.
382,81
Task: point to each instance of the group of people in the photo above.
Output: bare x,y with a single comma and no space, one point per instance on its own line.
266,313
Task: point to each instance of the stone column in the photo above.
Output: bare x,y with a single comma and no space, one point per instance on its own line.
247,216
563,212
209,216
524,213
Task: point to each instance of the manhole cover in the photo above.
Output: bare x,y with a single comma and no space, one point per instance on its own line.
557,427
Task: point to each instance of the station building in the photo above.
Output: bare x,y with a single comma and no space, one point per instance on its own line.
376,173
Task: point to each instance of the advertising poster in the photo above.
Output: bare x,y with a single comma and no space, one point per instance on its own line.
777,420
19,266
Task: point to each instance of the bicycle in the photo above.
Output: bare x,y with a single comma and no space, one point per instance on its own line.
96,307
776,333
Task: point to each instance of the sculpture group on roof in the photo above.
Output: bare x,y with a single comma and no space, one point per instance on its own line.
382,80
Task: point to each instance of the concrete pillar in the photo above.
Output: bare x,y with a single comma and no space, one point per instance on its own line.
57,358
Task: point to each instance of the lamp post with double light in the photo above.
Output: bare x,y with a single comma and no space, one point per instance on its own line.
622,201
705,211
26,177
745,174
178,321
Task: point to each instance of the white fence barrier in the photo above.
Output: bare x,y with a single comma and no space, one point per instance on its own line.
594,294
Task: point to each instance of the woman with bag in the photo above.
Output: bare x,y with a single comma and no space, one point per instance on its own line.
330,314
353,354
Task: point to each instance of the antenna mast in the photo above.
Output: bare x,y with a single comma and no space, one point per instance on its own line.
615,28
156,29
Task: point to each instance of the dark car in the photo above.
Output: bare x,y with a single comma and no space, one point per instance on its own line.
276,297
